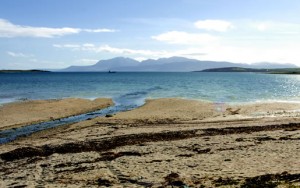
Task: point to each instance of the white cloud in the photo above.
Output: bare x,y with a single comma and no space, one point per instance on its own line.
33,60
9,30
214,25
140,59
106,48
280,42
179,37
136,54
146,54
276,27
85,61
251,54
266,25
14,54
261,26
275,42
104,30
66,46
110,49
88,45
89,60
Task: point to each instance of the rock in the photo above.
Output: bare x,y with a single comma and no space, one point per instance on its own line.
174,179
225,182
104,182
201,151
239,139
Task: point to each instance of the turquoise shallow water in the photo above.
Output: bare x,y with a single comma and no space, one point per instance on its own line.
217,87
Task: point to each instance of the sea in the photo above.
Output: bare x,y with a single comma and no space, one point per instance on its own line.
130,90
138,86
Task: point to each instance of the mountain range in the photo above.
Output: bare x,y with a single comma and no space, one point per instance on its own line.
172,64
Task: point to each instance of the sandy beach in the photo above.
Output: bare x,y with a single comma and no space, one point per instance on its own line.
165,143
23,113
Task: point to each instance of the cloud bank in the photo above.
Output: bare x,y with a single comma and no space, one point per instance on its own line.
214,25
15,54
179,37
10,30
109,49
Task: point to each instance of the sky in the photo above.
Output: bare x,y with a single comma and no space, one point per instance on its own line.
53,34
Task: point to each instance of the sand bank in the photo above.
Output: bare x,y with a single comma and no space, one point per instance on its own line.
165,143
194,109
24,113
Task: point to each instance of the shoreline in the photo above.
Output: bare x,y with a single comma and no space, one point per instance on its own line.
160,143
24,113
12,101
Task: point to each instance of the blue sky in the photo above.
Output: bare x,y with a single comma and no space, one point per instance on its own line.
60,33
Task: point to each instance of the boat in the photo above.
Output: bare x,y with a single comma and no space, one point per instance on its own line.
111,71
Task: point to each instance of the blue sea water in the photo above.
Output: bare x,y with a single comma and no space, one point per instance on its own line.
216,87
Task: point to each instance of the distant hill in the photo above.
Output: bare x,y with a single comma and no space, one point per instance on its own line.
233,69
104,65
241,69
175,64
172,64
267,65
20,71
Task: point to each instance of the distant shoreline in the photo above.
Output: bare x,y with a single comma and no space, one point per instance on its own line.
265,71
22,71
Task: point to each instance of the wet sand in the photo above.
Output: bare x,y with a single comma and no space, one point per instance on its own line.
165,143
